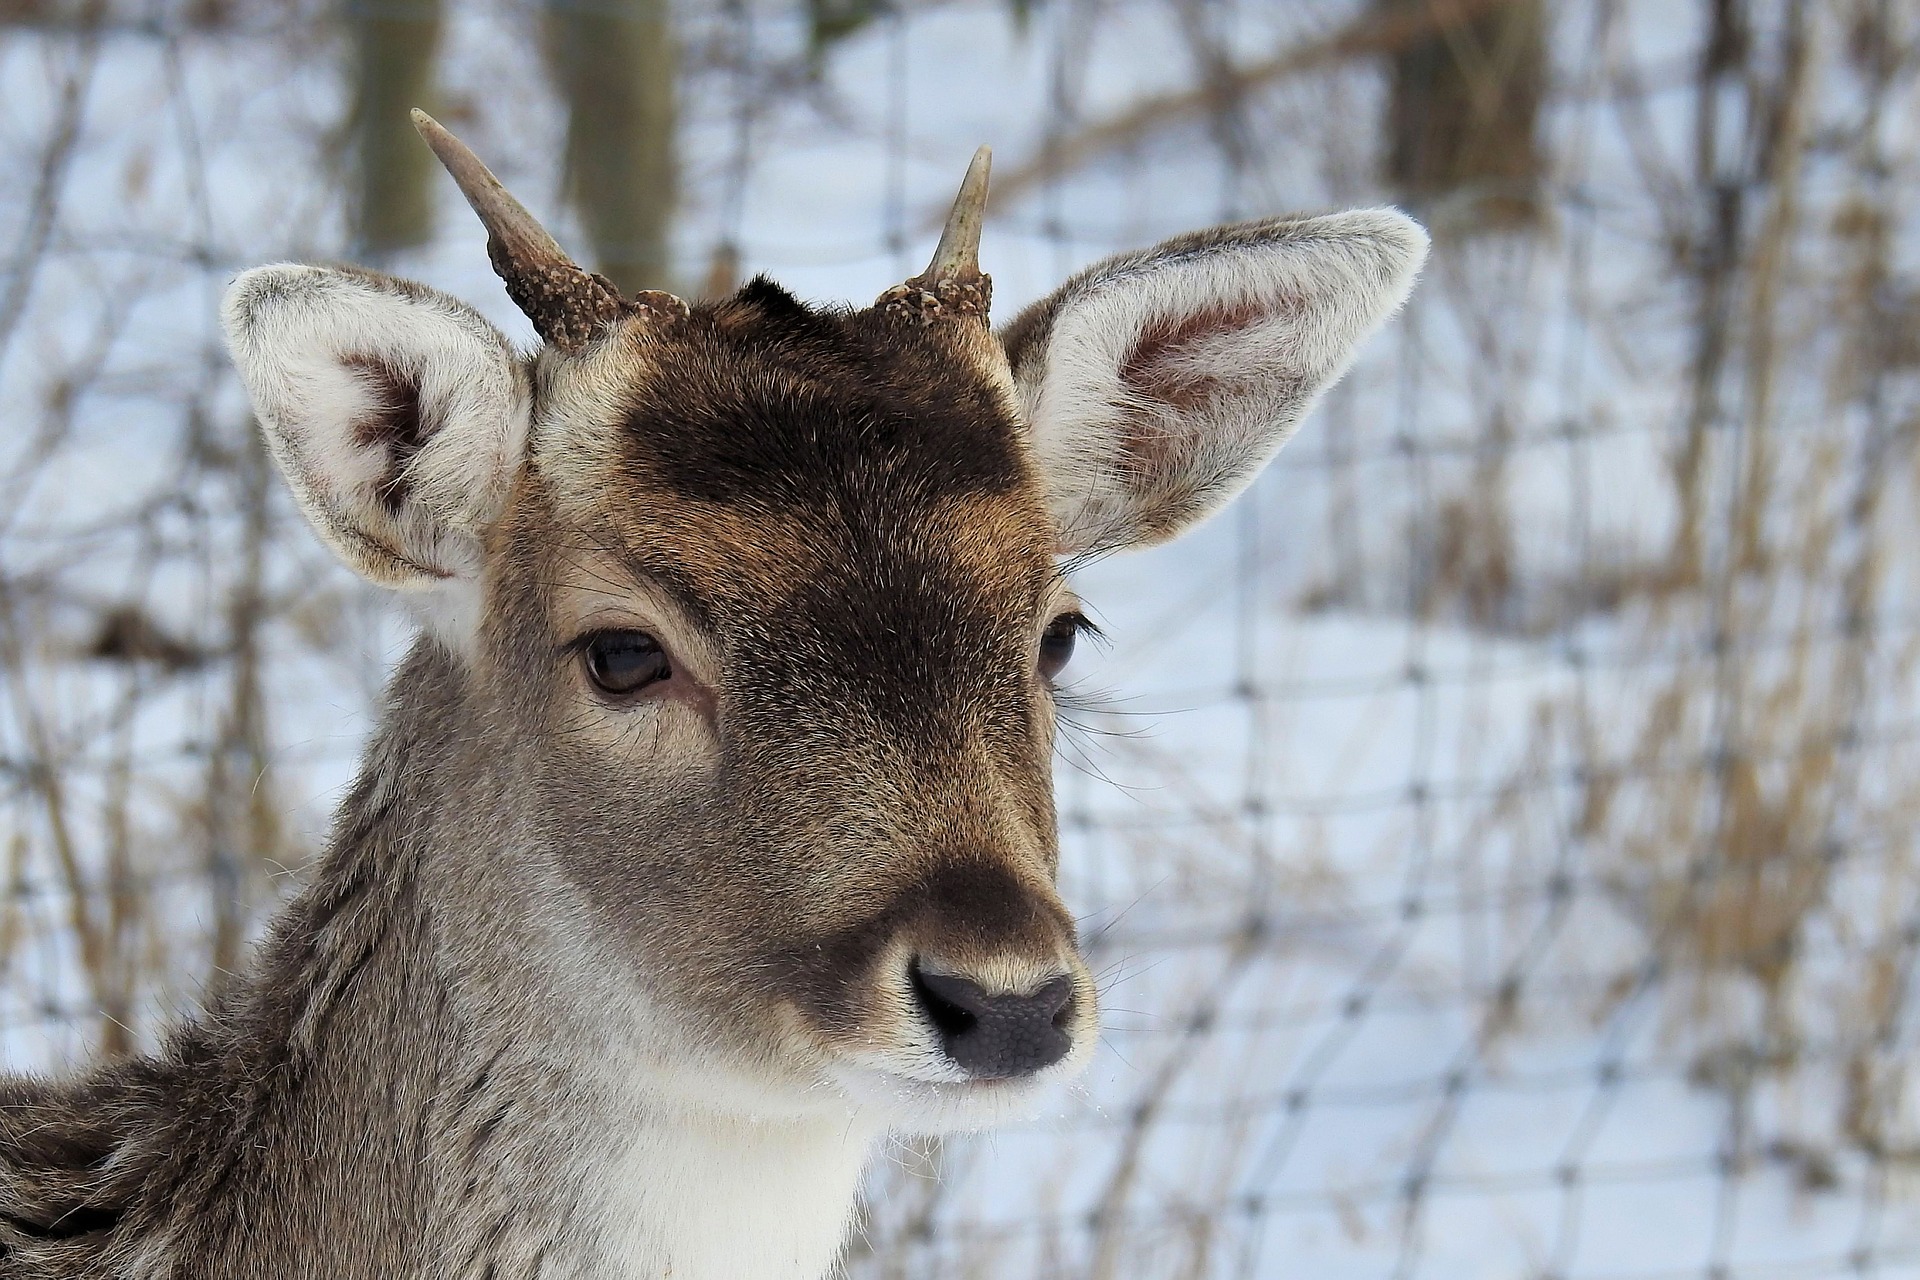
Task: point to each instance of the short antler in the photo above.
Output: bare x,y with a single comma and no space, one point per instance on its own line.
953,283
568,304
957,256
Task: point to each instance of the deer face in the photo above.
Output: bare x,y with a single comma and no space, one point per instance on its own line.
761,602
793,578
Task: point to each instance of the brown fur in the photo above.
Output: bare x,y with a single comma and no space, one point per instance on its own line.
840,505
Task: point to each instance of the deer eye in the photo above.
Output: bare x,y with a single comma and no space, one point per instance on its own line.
624,662
1056,643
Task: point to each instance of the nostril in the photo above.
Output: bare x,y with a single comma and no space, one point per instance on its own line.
937,994
996,1036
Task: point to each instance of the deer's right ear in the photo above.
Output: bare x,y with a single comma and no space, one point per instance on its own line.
398,415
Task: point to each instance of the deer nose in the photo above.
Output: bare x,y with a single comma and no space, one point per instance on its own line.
994,1037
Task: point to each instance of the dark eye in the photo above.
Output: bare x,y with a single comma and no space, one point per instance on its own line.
1056,643
624,662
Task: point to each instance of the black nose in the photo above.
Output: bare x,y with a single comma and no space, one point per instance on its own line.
993,1037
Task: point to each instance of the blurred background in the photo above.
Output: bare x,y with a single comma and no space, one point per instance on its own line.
1495,835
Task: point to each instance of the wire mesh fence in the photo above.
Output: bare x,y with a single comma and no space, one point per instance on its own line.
1495,835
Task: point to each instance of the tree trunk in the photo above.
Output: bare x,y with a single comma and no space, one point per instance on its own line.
614,61
393,48
1463,109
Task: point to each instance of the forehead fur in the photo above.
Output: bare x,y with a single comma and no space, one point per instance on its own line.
781,430
846,500
764,400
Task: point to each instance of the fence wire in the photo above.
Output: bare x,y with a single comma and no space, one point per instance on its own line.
1495,835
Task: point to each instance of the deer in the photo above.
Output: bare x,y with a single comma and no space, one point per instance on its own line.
706,838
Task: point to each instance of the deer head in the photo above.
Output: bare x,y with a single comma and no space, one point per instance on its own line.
754,608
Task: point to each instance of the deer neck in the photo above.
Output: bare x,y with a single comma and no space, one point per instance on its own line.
713,1197
575,1177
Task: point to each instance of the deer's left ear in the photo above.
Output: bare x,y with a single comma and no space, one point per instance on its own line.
1157,384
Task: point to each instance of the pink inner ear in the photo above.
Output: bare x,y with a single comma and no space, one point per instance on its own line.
1162,364
398,424
1167,370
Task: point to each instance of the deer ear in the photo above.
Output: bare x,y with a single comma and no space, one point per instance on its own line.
398,415
1156,385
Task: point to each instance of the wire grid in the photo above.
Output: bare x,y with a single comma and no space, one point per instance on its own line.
1494,834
